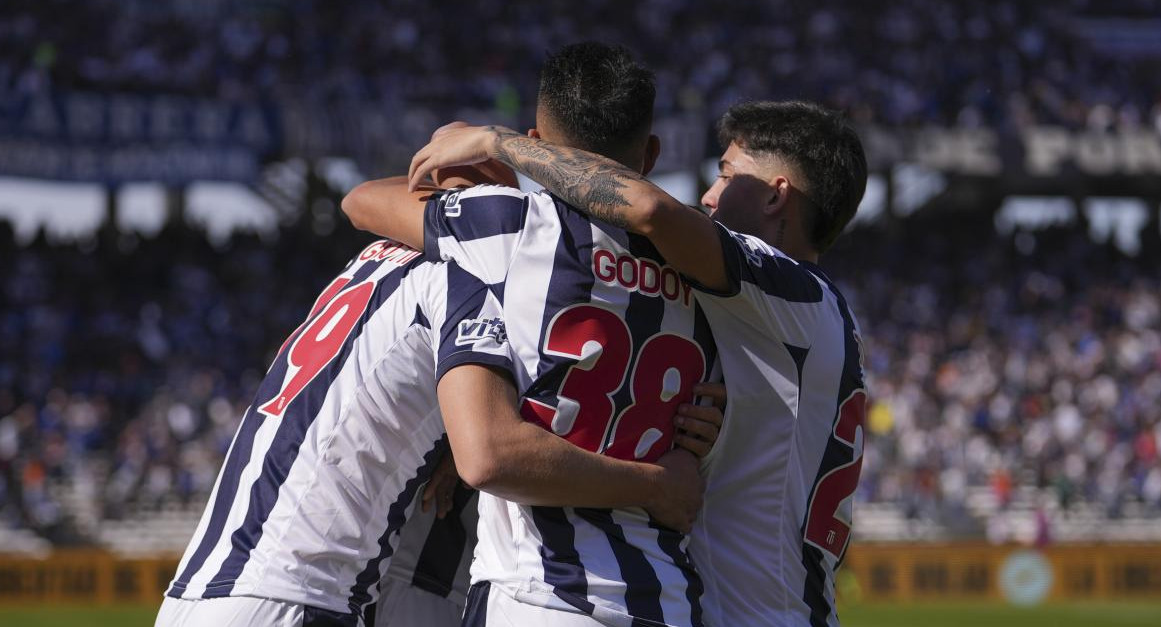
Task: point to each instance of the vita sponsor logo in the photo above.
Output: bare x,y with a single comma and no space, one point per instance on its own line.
476,330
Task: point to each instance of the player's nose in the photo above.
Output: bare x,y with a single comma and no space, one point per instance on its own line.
710,198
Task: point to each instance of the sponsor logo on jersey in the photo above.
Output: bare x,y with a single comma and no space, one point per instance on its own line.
753,248
476,330
640,275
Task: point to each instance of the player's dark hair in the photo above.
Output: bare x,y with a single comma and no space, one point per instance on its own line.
598,96
820,143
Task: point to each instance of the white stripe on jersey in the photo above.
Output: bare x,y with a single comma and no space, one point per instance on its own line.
312,484
801,360
575,292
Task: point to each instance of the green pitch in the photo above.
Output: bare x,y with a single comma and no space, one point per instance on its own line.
926,615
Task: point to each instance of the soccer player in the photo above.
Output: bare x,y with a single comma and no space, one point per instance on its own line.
777,516
322,475
607,339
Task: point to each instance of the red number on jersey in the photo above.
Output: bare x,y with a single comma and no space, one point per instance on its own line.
325,297
826,527
320,342
666,371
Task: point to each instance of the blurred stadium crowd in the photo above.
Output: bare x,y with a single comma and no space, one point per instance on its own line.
902,62
128,365
994,369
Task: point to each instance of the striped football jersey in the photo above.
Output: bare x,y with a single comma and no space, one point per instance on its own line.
777,515
345,428
607,340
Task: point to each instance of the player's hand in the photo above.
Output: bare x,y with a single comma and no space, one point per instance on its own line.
454,146
489,172
698,427
441,488
680,492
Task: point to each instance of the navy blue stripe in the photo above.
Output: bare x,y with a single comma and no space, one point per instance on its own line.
703,336
470,215
320,617
476,609
466,297
670,542
563,569
421,318
238,456
240,452
571,283
295,422
836,454
643,316
396,516
775,275
439,560
643,588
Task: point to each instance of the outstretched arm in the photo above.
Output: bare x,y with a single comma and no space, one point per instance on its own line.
387,208
602,188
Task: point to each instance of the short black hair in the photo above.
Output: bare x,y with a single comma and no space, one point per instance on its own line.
598,96
820,143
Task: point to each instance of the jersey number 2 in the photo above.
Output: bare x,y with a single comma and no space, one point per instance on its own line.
826,527
321,340
667,368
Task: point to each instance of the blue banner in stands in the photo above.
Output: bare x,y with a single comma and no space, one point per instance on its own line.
125,137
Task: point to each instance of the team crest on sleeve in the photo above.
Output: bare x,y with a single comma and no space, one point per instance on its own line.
753,248
451,205
477,331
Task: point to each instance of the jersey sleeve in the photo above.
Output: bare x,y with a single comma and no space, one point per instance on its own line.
479,228
766,289
472,331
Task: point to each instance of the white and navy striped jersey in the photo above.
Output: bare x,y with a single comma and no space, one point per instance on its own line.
343,431
607,340
780,478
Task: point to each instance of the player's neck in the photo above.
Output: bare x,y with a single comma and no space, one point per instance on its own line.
799,251
784,236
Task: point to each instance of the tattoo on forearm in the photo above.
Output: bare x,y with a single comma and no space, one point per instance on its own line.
593,184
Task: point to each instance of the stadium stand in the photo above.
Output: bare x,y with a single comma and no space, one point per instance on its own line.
1005,65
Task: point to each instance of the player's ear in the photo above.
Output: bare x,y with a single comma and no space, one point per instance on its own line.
533,133
779,196
652,150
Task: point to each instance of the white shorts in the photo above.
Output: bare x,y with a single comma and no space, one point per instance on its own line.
247,612
491,607
403,605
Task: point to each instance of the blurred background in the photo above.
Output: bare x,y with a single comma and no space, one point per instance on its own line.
170,173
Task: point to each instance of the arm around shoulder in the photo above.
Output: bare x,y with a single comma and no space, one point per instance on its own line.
386,208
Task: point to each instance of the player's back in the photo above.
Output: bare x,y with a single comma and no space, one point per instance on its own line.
608,342
344,428
777,515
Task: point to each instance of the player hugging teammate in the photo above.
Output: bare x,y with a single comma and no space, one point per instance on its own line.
566,334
